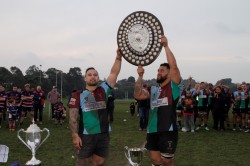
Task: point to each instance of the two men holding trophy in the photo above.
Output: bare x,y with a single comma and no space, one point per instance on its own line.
140,39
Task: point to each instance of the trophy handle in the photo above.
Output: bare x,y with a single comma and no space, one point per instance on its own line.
127,155
18,136
48,133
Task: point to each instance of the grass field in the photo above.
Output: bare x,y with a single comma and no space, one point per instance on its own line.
202,148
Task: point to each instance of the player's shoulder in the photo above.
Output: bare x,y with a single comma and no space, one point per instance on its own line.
76,93
74,100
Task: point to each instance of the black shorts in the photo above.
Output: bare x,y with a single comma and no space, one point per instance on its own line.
25,109
97,144
165,142
2,110
226,110
236,111
202,109
243,110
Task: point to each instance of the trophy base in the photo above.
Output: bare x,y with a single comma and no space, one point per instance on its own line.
33,163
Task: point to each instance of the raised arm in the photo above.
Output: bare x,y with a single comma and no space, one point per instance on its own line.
115,70
174,70
140,93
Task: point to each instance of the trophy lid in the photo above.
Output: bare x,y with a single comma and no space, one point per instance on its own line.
33,128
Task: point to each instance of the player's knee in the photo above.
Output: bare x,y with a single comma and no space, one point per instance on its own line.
156,161
81,162
98,163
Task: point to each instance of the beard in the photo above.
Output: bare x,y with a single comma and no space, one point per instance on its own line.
161,79
92,83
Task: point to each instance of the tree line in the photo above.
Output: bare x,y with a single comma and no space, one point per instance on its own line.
73,80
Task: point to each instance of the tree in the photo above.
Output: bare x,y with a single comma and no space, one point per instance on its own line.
17,76
131,79
124,89
32,70
52,75
75,78
32,75
5,77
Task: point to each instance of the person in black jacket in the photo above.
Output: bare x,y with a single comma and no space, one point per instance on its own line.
219,106
111,106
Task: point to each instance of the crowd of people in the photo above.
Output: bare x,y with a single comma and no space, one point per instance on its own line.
17,104
195,105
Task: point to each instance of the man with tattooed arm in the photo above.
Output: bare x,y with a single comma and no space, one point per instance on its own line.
89,117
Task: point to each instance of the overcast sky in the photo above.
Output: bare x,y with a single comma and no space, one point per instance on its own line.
210,39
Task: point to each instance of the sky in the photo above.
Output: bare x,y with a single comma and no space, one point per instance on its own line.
210,39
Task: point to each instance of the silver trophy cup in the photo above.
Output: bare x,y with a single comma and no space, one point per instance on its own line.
33,141
134,155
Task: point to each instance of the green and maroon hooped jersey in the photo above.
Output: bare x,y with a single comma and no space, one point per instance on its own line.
162,114
93,112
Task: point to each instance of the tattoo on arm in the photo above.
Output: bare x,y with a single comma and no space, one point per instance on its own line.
73,117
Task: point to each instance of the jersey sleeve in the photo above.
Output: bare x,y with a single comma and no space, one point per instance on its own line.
175,90
106,86
74,101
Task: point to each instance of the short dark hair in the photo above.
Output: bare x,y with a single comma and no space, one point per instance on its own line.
90,68
165,64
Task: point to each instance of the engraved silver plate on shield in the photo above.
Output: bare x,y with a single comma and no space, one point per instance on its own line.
139,38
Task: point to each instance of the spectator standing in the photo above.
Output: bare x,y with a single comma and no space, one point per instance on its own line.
243,105
39,99
236,107
202,106
219,108
27,103
143,107
179,112
111,106
194,95
225,90
3,97
188,104
248,112
210,99
52,98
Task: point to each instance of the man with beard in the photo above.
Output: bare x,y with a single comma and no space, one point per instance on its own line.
91,136
162,132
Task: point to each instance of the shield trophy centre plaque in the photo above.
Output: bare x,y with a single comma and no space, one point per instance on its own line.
139,38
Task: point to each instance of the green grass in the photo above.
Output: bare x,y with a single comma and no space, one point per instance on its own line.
194,149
